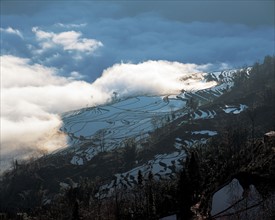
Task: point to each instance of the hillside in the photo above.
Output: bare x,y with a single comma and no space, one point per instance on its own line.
165,153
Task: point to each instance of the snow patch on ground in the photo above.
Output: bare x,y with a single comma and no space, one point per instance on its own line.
204,114
209,133
191,142
76,160
178,146
234,109
163,166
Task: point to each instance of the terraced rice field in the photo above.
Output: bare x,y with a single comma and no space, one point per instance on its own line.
106,127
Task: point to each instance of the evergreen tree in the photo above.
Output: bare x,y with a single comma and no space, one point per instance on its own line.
194,175
75,211
140,178
184,196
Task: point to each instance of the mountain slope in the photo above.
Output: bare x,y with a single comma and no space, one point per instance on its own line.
112,143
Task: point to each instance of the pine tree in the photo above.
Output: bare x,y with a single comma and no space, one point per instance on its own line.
75,211
194,175
140,178
184,196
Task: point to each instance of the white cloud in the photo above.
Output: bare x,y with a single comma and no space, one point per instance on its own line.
15,73
76,76
71,25
33,96
10,30
152,77
69,40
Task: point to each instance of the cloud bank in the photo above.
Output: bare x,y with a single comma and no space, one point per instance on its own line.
152,78
192,32
33,96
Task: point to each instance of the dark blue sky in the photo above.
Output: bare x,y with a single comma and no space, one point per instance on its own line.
223,33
